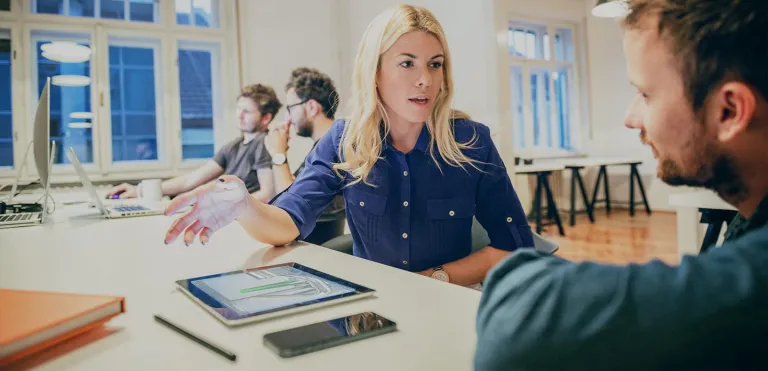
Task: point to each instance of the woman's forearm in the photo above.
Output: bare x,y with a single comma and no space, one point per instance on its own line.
267,223
472,269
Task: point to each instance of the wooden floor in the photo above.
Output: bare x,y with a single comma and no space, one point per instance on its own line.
618,238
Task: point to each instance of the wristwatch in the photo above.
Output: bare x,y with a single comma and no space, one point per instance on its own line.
278,158
439,274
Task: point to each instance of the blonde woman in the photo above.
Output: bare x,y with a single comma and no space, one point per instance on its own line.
413,172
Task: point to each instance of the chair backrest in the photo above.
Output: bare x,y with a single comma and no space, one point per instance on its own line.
480,239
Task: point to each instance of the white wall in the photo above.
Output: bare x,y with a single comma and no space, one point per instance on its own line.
277,36
610,97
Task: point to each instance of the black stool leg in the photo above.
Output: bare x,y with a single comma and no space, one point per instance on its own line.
606,185
574,174
632,191
551,204
597,188
537,202
587,205
710,238
642,189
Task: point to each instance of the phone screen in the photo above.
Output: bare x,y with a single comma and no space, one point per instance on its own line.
323,335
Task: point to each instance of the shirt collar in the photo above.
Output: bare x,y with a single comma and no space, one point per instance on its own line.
742,225
422,143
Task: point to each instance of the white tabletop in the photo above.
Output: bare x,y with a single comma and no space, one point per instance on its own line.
77,251
597,161
538,168
699,199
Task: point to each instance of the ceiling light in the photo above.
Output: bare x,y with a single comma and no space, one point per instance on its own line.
81,115
80,125
71,80
610,9
66,52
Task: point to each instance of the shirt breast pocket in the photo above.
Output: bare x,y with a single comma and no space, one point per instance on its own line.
367,211
450,225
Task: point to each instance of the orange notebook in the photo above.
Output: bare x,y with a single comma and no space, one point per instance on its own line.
31,321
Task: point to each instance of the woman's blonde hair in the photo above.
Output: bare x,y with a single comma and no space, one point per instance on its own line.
362,140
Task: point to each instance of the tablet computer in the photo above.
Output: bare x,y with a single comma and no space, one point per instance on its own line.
256,294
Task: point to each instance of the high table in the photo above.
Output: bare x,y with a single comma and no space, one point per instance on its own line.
77,251
714,212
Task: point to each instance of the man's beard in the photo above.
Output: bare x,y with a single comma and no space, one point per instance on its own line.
711,168
305,128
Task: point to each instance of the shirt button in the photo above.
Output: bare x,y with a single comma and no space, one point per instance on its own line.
509,219
362,204
451,213
405,235
405,173
405,262
405,203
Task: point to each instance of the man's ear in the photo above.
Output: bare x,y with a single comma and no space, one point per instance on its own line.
313,108
733,109
266,119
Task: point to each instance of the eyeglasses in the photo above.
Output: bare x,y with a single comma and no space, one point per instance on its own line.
288,107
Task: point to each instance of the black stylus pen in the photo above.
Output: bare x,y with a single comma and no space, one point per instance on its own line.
196,338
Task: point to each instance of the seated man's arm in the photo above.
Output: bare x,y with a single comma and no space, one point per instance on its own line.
184,183
267,184
542,312
283,177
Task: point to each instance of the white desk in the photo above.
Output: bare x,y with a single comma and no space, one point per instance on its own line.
537,168
689,231
127,257
597,161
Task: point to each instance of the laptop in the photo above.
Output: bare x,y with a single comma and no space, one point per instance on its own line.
26,219
110,212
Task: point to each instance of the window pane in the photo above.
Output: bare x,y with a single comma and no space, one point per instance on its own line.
517,106
5,4
183,12
6,118
563,106
541,106
564,45
49,7
133,104
143,10
200,13
113,9
81,8
196,89
529,40
65,100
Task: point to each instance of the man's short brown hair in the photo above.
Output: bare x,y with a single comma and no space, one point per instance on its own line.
714,41
310,83
264,97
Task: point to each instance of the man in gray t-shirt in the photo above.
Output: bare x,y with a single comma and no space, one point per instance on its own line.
245,157
244,160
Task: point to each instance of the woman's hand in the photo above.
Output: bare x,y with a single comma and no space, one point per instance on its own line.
214,206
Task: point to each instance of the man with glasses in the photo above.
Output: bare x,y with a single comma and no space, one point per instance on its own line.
311,102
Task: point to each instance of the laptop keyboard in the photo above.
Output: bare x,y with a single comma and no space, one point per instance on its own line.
124,209
16,217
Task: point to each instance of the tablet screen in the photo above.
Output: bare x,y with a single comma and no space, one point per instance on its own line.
246,293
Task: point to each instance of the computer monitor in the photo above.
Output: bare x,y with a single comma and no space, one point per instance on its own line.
40,137
42,133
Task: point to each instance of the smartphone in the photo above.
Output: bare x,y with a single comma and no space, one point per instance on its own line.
323,335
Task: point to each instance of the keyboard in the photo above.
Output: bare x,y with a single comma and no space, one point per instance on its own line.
124,209
20,217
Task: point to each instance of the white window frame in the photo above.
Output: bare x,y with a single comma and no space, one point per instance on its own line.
226,83
214,46
158,45
551,65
